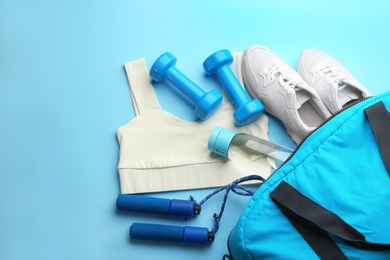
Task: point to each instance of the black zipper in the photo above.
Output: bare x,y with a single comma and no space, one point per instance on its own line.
351,104
229,256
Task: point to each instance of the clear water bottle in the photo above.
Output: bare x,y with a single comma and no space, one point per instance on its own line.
250,152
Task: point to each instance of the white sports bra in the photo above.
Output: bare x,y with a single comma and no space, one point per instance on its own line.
160,152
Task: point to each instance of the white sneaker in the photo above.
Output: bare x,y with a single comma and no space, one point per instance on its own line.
283,92
334,84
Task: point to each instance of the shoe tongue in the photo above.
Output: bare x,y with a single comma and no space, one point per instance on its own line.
347,93
302,96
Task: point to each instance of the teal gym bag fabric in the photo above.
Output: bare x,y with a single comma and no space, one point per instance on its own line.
331,199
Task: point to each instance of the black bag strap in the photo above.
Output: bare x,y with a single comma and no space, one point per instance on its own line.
379,119
315,223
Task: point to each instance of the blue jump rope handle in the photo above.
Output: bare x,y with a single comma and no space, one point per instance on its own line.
167,233
150,205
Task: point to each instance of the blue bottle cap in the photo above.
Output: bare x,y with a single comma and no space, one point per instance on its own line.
220,140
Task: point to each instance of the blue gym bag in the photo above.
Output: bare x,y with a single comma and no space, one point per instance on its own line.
330,199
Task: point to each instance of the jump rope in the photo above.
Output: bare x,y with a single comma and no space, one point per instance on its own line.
179,208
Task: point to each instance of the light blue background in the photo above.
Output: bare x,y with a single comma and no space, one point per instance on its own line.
64,92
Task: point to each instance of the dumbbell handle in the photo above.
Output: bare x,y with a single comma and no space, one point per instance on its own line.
186,86
167,233
232,86
150,205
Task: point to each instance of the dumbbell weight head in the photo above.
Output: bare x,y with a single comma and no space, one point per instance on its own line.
248,112
209,103
161,66
216,61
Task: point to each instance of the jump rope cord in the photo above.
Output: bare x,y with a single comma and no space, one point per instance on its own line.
234,187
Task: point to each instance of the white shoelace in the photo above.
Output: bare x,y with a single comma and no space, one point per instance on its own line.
286,82
332,78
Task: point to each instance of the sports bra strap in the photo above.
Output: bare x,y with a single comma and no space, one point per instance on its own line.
236,66
142,92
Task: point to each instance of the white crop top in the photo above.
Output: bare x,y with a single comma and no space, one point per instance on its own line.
160,152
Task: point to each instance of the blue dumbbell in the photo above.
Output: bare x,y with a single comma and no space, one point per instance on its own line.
248,110
205,104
